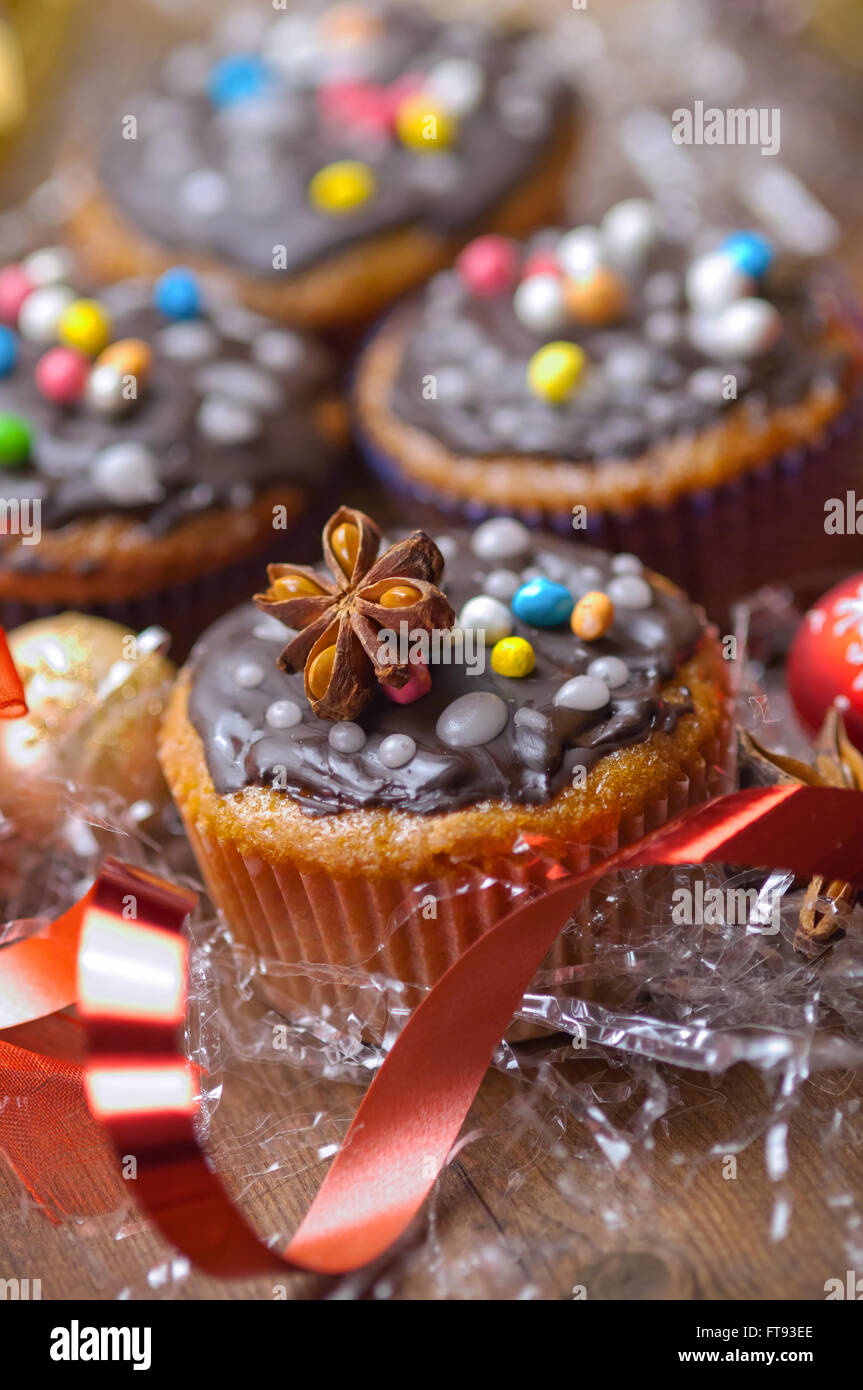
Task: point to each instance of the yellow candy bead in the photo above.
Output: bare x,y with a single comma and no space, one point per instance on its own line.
513,657
423,124
86,326
342,186
129,357
553,370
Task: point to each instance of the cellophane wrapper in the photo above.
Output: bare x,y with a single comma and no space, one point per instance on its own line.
633,1021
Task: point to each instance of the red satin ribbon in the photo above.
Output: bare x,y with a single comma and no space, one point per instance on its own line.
132,998
12,702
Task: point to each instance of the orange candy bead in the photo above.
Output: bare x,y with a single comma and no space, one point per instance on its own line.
592,616
600,298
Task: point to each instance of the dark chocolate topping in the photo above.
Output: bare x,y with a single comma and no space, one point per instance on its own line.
645,382
239,698
233,178
226,411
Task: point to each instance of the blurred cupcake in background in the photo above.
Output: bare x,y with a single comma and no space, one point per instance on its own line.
696,404
338,159
150,441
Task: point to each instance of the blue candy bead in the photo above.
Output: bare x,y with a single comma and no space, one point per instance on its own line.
8,350
241,77
750,252
178,294
542,603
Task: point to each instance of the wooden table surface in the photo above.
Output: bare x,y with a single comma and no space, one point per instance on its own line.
519,1212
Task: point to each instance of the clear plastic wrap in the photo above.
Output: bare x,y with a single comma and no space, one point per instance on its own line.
646,1028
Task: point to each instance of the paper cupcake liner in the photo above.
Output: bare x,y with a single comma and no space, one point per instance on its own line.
317,943
717,543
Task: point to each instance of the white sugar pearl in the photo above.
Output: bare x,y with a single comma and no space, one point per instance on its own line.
396,750
205,192
187,342
501,538
453,384
626,564
104,391
583,693
579,252
502,584
127,473
458,84
748,328
472,720
629,231
447,545
713,282
283,714
664,328
41,312
662,290
609,669
241,382
347,737
630,591
279,350
248,675
629,365
49,266
486,615
228,421
538,304
707,385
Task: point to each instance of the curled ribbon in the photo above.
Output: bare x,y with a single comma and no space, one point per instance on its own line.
12,702
132,995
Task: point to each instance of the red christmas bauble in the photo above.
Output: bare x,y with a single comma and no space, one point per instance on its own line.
825,665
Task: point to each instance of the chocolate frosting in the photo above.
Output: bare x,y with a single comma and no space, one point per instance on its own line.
283,375
258,155
478,349
235,681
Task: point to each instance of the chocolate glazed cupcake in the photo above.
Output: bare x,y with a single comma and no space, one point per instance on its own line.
340,159
148,445
334,787
654,396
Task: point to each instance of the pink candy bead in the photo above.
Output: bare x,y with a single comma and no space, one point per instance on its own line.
62,374
488,265
14,289
418,685
359,104
540,263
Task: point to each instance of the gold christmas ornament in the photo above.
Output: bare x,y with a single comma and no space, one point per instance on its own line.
96,693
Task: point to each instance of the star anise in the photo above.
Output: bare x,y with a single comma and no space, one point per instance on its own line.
837,764
337,643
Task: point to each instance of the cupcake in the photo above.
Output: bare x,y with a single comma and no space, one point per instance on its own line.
361,790
696,404
148,445
336,160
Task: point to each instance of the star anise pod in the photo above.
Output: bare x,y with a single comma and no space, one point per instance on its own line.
339,619
837,764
